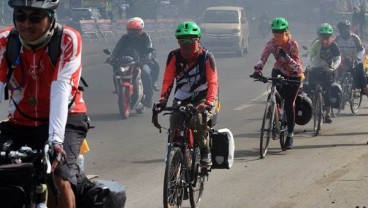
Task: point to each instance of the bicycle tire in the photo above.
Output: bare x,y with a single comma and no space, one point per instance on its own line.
266,129
355,102
173,188
196,187
317,113
283,133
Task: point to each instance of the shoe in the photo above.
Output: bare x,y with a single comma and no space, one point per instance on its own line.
289,142
155,87
328,119
206,157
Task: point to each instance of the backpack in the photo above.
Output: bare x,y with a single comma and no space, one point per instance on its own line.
12,55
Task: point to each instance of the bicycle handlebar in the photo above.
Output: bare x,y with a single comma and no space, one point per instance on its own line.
278,79
27,153
188,110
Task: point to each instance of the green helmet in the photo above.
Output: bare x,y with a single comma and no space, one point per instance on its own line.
325,29
279,23
188,28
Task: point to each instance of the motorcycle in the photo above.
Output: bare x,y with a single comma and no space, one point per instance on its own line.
128,81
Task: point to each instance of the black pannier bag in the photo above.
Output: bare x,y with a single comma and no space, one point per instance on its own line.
336,95
16,183
222,149
99,193
303,109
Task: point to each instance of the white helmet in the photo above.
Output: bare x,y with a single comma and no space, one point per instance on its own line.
37,4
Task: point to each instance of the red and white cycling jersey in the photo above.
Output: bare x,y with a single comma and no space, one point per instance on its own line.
30,84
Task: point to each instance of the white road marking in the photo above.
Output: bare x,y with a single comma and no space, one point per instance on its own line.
250,103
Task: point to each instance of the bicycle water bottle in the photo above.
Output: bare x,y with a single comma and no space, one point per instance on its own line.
80,162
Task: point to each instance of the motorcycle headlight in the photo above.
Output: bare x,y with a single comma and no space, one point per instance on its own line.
124,69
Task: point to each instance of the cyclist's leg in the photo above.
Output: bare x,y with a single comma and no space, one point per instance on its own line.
201,135
326,86
289,96
66,173
147,85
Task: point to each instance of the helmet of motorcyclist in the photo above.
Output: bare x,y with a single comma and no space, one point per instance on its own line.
187,29
135,26
325,29
279,24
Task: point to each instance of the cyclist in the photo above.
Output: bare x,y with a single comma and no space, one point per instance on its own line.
139,40
352,53
45,102
324,55
195,72
286,52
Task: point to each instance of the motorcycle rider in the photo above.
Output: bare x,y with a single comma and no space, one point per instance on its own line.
195,72
139,40
352,53
286,52
324,54
45,102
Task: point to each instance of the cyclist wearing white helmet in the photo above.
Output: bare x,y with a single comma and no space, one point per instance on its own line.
140,41
46,104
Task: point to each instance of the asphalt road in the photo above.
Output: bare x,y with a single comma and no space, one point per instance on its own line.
325,171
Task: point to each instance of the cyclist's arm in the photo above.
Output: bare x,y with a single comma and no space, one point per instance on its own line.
336,60
212,80
294,61
66,78
169,76
359,47
265,54
313,51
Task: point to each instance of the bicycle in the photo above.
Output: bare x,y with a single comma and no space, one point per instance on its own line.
317,99
183,173
24,176
350,94
274,123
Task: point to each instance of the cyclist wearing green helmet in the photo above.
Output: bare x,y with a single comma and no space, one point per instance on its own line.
194,71
286,52
324,58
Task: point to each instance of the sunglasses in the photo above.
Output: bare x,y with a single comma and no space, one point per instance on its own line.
31,18
278,31
324,36
187,40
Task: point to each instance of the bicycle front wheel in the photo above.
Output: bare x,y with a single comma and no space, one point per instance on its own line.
317,113
197,185
173,188
355,101
266,130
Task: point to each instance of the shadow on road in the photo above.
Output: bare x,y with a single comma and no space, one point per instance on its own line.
327,146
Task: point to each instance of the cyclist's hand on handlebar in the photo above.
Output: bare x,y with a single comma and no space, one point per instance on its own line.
257,72
203,106
159,107
59,154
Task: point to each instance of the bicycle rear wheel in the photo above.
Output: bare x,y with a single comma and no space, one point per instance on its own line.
173,188
355,101
266,130
197,185
317,113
